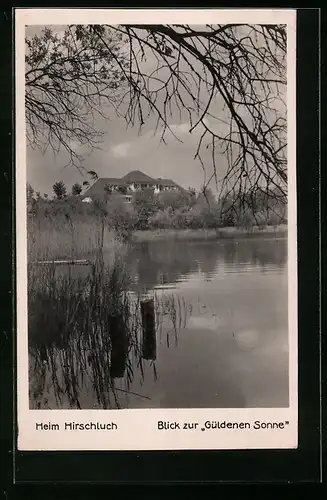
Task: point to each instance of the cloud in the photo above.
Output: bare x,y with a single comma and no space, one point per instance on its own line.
173,159
135,146
121,150
125,149
182,128
152,137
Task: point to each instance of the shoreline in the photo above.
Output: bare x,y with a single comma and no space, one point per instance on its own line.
207,234
70,250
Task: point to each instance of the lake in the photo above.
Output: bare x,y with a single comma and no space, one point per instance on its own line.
222,335
233,350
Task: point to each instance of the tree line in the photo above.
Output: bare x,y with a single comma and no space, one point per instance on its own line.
187,209
59,190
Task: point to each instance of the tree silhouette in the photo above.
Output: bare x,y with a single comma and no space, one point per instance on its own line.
229,82
76,189
59,190
29,193
67,78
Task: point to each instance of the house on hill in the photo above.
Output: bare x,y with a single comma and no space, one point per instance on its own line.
132,182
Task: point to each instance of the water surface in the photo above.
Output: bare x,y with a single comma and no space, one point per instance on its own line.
223,340
233,350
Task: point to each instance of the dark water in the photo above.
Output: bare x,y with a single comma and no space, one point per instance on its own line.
226,343
233,350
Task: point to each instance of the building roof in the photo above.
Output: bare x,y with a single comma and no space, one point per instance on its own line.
167,182
136,176
98,188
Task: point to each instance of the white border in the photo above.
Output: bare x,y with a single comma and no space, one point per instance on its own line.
137,429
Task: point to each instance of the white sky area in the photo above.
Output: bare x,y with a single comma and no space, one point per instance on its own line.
126,148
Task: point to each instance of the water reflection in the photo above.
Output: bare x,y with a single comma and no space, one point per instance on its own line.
93,367
163,262
211,332
149,341
156,263
261,252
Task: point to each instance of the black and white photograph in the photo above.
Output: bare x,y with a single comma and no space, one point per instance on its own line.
155,177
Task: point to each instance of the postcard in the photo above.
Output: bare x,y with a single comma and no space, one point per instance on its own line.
156,229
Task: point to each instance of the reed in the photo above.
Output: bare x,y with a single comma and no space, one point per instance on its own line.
67,237
86,331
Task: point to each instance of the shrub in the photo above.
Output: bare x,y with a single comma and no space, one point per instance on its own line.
160,220
145,207
120,216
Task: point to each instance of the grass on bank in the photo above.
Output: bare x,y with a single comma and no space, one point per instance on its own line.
84,328
86,333
207,234
77,318
64,238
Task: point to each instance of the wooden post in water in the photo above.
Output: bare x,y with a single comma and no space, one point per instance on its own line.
149,342
119,345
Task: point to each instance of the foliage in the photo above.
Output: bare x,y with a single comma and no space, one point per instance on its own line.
184,210
161,219
145,206
176,200
59,189
76,189
68,77
121,216
29,193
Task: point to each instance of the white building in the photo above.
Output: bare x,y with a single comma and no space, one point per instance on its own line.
129,184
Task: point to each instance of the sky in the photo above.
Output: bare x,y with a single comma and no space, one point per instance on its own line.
121,152
125,149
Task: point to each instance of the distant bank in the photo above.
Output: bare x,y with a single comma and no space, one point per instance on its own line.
208,234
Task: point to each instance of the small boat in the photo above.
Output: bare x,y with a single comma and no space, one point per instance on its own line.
83,262
164,287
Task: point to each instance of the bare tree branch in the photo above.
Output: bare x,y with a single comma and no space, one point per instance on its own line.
228,80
